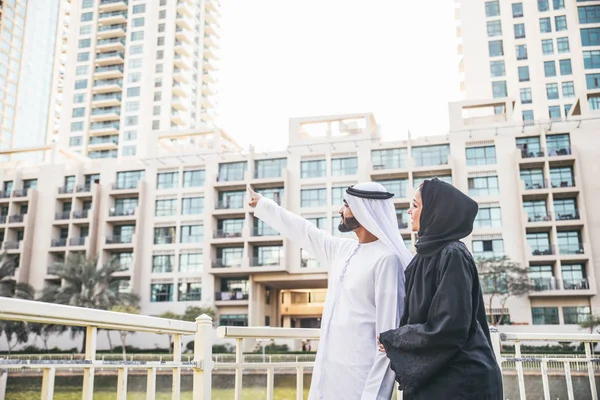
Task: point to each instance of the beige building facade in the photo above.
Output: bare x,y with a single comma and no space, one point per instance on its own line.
179,224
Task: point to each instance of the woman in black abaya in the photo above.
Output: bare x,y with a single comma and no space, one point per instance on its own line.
442,349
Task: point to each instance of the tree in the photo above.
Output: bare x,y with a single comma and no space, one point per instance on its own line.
87,285
591,323
502,279
15,331
129,309
44,331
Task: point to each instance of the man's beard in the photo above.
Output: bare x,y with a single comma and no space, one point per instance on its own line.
348,225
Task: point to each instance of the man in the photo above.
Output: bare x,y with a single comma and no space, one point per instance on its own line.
366,289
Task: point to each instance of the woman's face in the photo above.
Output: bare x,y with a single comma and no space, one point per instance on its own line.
415,211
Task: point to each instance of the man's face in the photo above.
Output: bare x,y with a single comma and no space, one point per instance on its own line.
348,222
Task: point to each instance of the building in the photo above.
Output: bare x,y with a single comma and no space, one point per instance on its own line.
133,68
541,54
179,223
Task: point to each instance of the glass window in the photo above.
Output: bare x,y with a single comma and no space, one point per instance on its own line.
523,74
568,89
233,320
390,158
543,5
81,84
344,166
488,217
135,36
191,262
129,179
569,242
164,235
418,180
133,92
161,292
424,156
592,81
576,315
494,28
492,8
552,91
549,68
545,25
483,186
590,37
313,197
562,176
517,10
536,210
589,14
568,109
519,31
162,263
545,315
337,195
533,178
527,115
267,255
190,291
539,243
497,68
75,141
78,112
87,4
499,89
192,233
166,207
547,47
483,155
139,9
526,96
591,59
565,67
88,16
488,248
559,4
313,169
521,52
566,209
269,168
129,151
76,126
194,178
231,199
228,257
560,23
562,44
167,180
192,205
232,171
137,22
495,48
558,144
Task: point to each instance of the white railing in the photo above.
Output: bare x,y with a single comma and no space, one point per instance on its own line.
202,363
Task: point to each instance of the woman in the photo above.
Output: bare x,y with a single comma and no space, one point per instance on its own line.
442,349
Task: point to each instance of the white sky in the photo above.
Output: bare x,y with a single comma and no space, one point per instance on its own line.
297,58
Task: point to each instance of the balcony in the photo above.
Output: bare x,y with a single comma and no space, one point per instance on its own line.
212,20
181,75
184,22
5,194
228,205
208,54
223,234
80,241
109,72
184,9
181,90
183,48
106,100
576,284
180,103
60,216
104,128
16,219
127,185
113,17
83,214
84,188
528,154
179,118
113,5
207,117
110,58
265,230
3,219
536,184
66,189
58,242
105,114
111,31
208,89
191,296
571,249
164,240
209,77
542,250
103,142
569,183
221,263
210,41
119,239
122,212
533,218
182,62
565,151
111,44
12,245
231,296
555,284
20,193
207,102
108,85
567,215
266,262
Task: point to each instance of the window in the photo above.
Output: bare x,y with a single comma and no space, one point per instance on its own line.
78,112
589,14
390,158
547,47
590,37
233,320
76,126
560,23
592,81
565,67
568,109
574,276
82,57
492,8
337,195
488,248
576,315
483,155
269,168
431,155
517,10
568,89
82,70
536,210
569,242
167,180
497,68
190,262
85,30
558,144
527,116
344,166
549,68
193,178
159,68
164,235
418,180
552,91
483,186
267,255
523,74
160,41
137,49
232,171
137,22
88,16
313,169
87,4
157,96
165,207
228,257
162,14
191,233
160,54
190,291
545,315
84,43
161,28
499,89
539,243
559,4
162,263
81,84
313,197
542,277
566,209
135,63
139,9
529,146
519,31
230,227
132,105
488,217
495,48
129,151
131,120
231,199
562,44
135,36
192,206
526,96
133,92
161,292
543,5
591,59
562,176
75,141
129,179
494,28
521,52
533,178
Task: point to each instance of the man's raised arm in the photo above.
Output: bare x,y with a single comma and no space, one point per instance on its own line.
300,231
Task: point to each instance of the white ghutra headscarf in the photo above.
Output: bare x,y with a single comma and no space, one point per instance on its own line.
374,209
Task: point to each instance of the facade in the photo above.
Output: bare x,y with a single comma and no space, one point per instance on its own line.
133,68
179,224
541,54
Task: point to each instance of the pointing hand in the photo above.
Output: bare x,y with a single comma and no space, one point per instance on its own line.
254,197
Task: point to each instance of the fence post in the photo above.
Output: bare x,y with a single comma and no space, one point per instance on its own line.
203,363
3,383
496,345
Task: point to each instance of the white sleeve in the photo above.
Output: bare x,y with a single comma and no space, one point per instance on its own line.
300,231
389,306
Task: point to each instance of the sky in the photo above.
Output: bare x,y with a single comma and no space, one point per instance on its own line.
281,59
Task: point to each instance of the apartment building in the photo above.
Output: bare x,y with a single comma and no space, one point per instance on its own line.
179,223
133,68
542,54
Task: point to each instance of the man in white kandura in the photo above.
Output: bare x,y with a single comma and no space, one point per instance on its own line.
365,290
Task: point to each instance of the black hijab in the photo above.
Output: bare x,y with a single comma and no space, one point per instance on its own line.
447,216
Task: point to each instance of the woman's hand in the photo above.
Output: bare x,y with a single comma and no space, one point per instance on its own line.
381,348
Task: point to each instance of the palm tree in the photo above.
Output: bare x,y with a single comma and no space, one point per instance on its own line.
16,331
87,285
